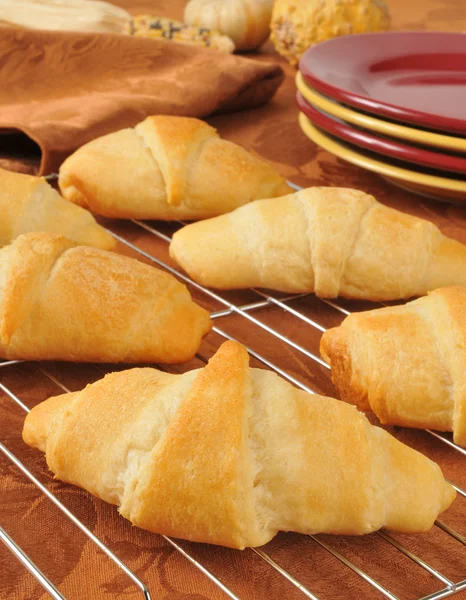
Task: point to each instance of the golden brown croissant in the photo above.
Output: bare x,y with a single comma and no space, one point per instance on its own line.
231,455
66,302
405,363
166,168
29,204
331,241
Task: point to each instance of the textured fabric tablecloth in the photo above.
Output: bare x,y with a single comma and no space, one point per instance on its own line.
63,89
77,567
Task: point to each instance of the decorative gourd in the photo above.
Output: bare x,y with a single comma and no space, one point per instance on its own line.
299,24
246,22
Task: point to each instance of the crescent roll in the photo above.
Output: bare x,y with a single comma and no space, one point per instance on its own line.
231,455
59,301
407,363
331,241
30,204
166,168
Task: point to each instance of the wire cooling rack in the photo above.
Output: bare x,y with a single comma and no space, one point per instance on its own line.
252,312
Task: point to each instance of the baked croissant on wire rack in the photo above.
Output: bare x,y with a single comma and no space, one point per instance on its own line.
166,168
59,301
29,204
331,241
231,455
405,363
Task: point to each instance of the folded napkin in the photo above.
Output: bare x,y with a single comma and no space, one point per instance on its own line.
63,89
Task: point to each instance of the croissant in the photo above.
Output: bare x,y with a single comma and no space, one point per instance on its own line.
331,241
66,302
29,203
166,168
231,455
405,363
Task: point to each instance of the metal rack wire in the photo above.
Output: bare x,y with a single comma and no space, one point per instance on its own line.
247,312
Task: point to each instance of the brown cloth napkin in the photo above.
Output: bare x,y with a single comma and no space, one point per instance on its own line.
64,89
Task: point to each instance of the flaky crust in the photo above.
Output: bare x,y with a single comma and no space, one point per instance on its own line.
331,241
166,168
230,455
405,363
30,204
66,302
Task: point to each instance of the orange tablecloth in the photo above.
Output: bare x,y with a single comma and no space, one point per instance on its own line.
77,567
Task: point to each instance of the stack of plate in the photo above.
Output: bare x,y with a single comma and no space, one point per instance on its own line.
393,103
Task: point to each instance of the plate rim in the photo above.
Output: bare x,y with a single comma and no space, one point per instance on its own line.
374,165
427,138
381,107
402,185
368,140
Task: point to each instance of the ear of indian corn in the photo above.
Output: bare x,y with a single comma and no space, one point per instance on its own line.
161,28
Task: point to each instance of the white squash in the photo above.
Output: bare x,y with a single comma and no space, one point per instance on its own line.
246,22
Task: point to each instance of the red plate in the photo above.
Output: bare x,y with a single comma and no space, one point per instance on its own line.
415,77
382,145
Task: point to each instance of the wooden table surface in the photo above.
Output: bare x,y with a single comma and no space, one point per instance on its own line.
81,570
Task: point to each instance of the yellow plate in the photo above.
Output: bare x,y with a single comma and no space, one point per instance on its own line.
411,134
432,186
